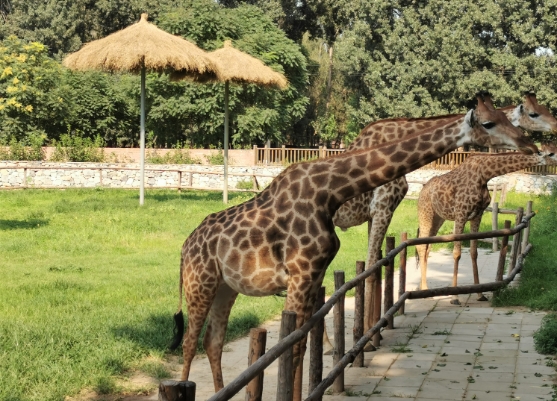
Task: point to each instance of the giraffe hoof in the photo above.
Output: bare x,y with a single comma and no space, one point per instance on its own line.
328,351
455,302
483,298
369,348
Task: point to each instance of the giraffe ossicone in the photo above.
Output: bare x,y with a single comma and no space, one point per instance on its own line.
284,237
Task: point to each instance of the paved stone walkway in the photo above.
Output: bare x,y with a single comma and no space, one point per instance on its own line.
437,351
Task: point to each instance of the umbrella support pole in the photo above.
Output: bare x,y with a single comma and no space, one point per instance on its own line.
225,150
142,140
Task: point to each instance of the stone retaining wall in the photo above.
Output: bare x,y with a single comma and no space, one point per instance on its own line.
120,175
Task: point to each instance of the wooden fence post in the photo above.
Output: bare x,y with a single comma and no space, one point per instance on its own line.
257,343
516,238
316,345
359,314
494,197
494,224
503,253
389,281
402,272
172,390
526,231
283,154
285,380
503,196
179,181
255,155
377,303
338,352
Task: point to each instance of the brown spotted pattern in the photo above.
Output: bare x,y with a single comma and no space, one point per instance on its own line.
284,238
462,195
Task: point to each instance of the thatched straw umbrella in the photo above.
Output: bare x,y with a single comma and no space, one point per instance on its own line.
140,47
238,67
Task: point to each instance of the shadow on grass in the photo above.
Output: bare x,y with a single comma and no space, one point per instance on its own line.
156,331
22,224
191,195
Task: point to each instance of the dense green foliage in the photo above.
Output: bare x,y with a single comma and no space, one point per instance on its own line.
402,58
93,104
348,63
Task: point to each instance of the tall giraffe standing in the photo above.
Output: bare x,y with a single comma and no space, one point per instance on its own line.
462,195
284,238
377,206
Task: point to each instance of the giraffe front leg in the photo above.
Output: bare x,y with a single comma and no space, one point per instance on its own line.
474,228
457,252
213,341
300,299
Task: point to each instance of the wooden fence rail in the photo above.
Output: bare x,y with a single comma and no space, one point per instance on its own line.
342,359
286,156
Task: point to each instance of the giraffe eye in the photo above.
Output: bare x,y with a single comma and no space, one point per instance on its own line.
533,115
488,125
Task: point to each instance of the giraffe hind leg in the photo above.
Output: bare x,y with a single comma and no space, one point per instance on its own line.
199,299
213,340
474,228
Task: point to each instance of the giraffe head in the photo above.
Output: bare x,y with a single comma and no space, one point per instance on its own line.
491,127
547,158
529,115
549,147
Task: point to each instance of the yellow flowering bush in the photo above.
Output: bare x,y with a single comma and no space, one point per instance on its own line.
28,86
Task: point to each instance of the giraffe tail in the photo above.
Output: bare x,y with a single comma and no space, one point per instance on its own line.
178,316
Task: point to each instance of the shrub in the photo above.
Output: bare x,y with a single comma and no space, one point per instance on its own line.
545,339
28,149
74,148
176,156
215,158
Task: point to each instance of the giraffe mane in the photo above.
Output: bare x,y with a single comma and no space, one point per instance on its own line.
429,118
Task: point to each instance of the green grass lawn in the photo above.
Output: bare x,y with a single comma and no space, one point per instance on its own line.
90,282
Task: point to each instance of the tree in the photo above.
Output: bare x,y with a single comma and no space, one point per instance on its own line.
194,113
64,26
407,58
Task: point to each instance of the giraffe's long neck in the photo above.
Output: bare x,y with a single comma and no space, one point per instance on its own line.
503,163
330,182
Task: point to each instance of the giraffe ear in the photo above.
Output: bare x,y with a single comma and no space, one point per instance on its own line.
471,118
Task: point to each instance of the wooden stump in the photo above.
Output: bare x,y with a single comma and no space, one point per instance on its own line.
172,390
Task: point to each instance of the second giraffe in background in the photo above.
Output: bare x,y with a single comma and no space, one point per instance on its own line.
462,195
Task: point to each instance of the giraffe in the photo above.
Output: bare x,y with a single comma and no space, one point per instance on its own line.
529,115
377,207
462,195
284,237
